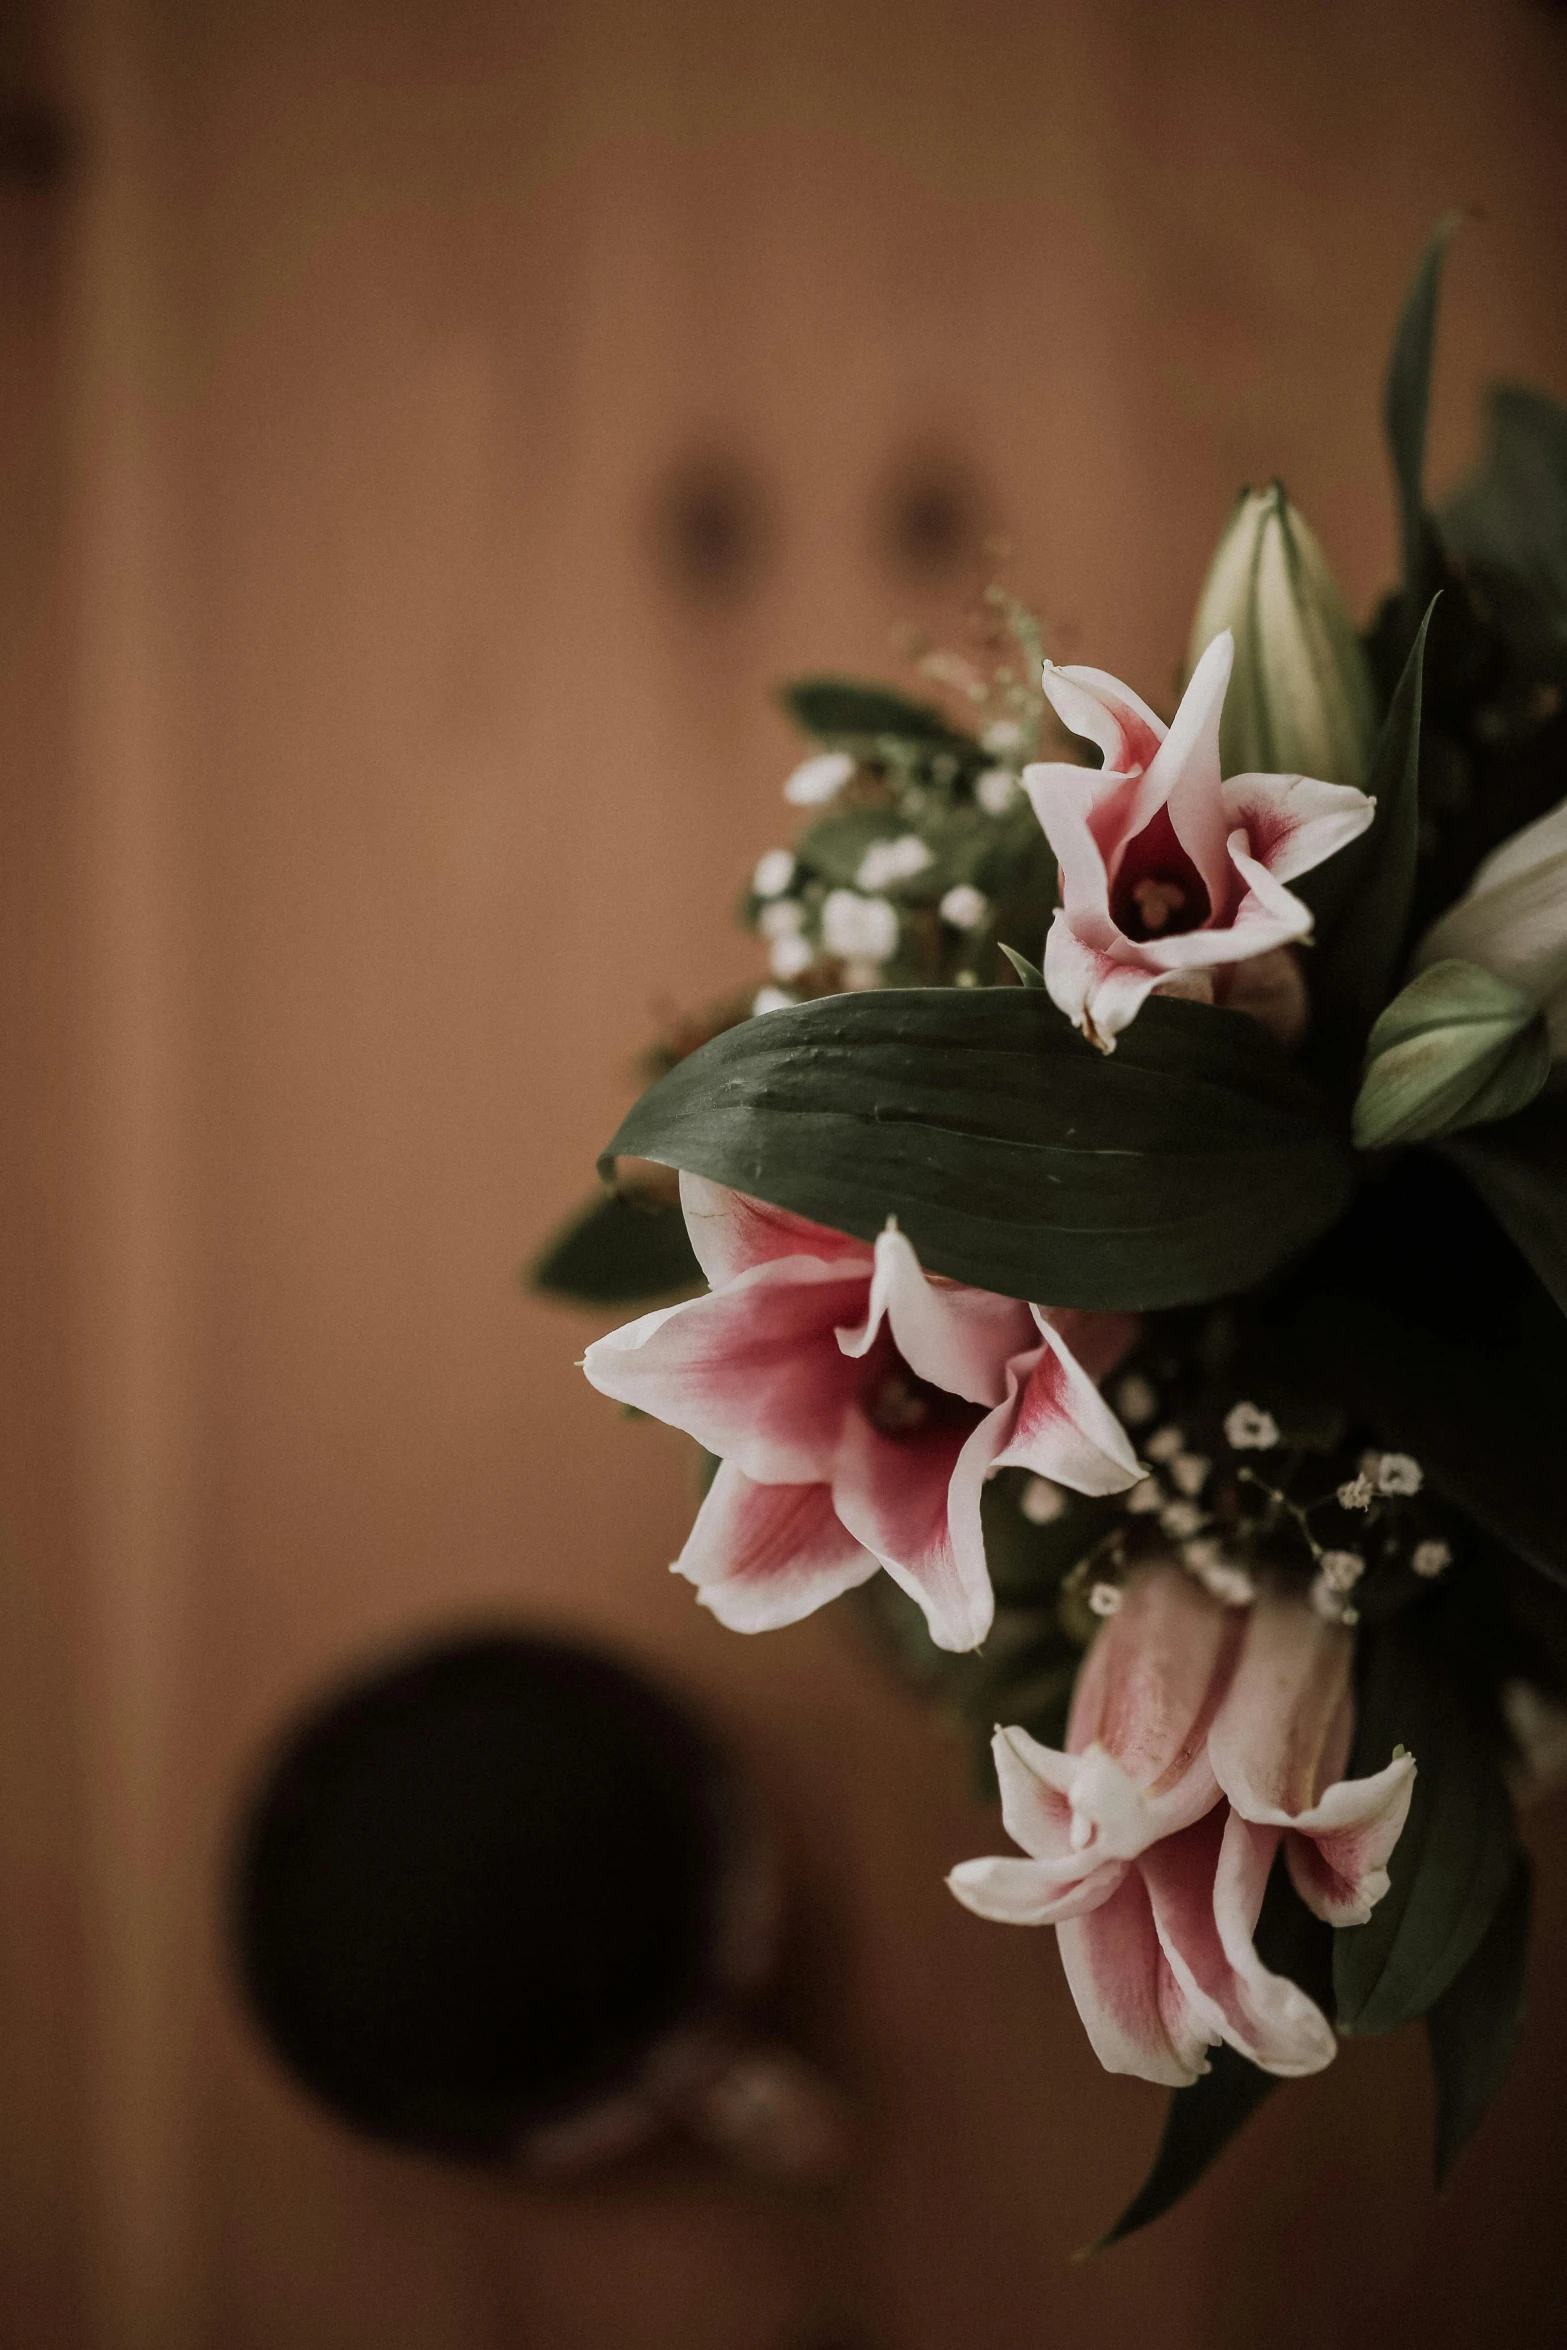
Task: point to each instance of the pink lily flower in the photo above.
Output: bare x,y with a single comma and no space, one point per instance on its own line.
857,1406
1201,1737
1170,875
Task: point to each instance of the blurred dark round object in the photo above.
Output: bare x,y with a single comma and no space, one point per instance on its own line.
932,519
480,1890
712,528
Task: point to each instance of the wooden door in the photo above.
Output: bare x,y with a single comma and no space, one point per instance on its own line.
417,732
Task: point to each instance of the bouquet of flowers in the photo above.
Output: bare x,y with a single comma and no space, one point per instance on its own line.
1125,1242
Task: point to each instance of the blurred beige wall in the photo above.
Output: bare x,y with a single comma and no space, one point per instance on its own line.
377,772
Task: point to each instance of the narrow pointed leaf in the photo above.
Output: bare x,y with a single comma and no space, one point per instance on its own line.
1507,524
1362,897
1199,2123
1520,1171
1451,1866
1028,972
1407,403
1473,2028
1182,1167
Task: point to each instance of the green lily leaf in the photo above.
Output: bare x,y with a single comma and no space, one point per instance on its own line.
1426,1322
616,1251
1362,897
1407,403
843,713
1456,1048
1507,525
1029,973
835,847
1184,1166
1472,2030
1451,1866
1521,1174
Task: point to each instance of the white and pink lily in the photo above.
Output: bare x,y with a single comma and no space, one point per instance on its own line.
1172,877
857,1406
1200,1738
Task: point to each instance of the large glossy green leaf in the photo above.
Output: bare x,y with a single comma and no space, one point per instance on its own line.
1520,1171
1185,1165
616,1251
1451,1866
1407,402
843,711
1202,2120
1473,2028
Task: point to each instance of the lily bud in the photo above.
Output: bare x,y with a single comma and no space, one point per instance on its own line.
1458,1047
1512,920
1301,701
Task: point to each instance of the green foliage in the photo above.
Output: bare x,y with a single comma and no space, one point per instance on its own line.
1472,2030
1434,1332
1456,1048
1363,896
1521,1174
1185,1166
1507,525
1406,406
1202,2120
1029,973
616,1251
1452,1864
834,847
1484,1417
845,714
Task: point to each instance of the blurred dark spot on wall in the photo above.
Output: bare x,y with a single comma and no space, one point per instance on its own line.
714,530
932,521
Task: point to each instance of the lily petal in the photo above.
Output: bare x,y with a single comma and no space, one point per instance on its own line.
895,1495
1099,1341
1293,823
1028,1893
1099,991
1147,1695
1063,1427
1133,2011
1097,706
1187,773
1282,1733
1206,1889
753,1370
956,1338
765,1555
730,1232
1339,1850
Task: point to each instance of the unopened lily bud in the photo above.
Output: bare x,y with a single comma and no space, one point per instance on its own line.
1512,920
1458,1047
1301,700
